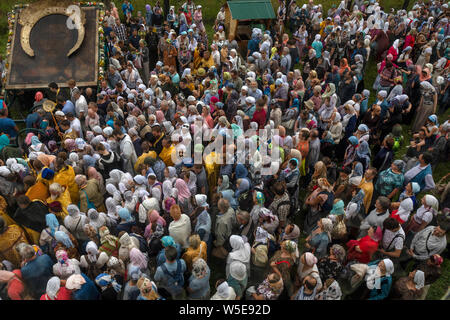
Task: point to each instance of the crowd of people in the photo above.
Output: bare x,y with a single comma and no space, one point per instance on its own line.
103,198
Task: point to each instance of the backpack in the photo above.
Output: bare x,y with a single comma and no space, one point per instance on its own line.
175,281
143,247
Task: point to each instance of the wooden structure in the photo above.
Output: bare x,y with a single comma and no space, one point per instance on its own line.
242,15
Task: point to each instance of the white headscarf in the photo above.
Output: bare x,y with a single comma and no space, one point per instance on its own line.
241,250
389,266
53,285
406,206
419,279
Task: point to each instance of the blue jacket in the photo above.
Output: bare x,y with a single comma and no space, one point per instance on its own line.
88,291
36,274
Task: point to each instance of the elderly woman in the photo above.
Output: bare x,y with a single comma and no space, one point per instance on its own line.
307,266
270,289
427,105
82,288
320,203
379,281
410,287
241,251
363,249
47,240
424,215
65,266
268,220
332,265
54,291
320,237
238,278
93,261
282,263
390,180
198,287
197,248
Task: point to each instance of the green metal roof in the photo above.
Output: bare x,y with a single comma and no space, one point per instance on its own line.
251,9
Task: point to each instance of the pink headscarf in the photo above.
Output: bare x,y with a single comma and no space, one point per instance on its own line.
70,145
160,116
138,258
38,96
154,217
169,202
310,259
28,138
46,159
183,189
93,174
5,276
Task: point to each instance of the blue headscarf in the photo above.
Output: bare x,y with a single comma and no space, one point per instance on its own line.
244,185
124,214
241,171
168,241
229,195
104,279
4,141
89,161
358,199
62,237
353,140
52,223
35,141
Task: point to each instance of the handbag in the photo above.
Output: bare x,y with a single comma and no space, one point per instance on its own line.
90,205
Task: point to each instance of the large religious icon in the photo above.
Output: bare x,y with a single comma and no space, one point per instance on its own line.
56,41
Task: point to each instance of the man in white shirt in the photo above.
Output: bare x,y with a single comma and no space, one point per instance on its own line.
393,239
75,124
81,106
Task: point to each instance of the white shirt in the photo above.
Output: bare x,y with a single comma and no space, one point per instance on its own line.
75,125
397,244
180,230
81,106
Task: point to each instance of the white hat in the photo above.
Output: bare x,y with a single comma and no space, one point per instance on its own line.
59,113
191,99
250,100
244,88
356,181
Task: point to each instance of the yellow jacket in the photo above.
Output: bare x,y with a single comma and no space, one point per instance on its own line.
166,155
142,158
66,177
65,200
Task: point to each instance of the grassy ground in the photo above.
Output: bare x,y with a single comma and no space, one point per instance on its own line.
210,9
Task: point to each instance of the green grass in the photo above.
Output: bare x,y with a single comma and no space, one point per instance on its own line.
210,9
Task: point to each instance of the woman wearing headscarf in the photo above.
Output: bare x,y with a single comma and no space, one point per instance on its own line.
154,219
320,171
270,289
405,208
307,266
93,262
67,243
110,289
47,240
268,220
410,287
82,288
363,154
198,288
331,291
241,251
379,280
202,220
65,267
54,291
138,259
147,290
332,265
424,215
126,244
427,105
97,219
184,196
363,249
283,261
75,221
126,221
319,238
319,202
108,243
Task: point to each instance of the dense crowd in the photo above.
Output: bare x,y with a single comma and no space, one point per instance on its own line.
103,199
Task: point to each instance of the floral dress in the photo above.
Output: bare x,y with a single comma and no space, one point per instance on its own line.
268,292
